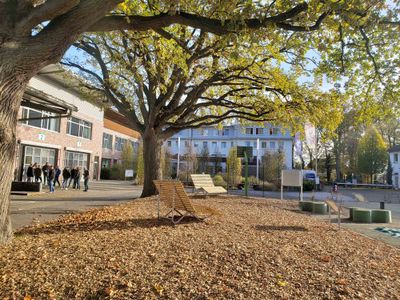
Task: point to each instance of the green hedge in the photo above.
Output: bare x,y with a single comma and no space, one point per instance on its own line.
319,208
381,216
362,216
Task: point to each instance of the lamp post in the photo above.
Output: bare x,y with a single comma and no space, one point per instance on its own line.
178,160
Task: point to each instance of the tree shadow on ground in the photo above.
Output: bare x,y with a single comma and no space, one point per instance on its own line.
280,228
98,225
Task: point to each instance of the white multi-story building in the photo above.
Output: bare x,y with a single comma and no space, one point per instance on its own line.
394,153
218,142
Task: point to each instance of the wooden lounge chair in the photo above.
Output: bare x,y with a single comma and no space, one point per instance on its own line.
173,195
205,184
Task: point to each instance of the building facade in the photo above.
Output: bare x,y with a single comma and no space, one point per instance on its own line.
217,142
394,154
73,140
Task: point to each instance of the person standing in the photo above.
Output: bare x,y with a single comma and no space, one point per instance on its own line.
38,174
57,173
72,178
45,171
66,175
86,179
77,180
50,177
29,173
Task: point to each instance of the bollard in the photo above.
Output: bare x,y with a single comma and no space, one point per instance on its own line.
382,205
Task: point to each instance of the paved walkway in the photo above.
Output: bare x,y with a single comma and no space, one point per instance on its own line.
41,207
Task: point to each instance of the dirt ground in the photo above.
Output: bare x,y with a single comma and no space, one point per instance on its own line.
252,249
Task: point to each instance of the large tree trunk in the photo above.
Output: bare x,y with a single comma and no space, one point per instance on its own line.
12,87
151,155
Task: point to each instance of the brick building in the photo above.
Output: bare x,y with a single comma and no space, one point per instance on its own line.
73,137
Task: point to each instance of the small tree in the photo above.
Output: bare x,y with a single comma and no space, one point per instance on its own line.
191,162
371,154
233,167
389,172
165,163
273,163
217,163
204,160
140,165
127,156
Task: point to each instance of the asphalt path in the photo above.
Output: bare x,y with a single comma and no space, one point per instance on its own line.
41,207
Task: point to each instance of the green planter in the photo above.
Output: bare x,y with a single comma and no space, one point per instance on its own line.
306,205
352,209
319,208
381,216
362,215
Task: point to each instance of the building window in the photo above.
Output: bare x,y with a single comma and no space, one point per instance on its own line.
196,144
273,131
80,128
225,131
280,145
263,145
259,131
119,143
187,144
214,146
272,145
205,144
204,132
39,156
169,143
223,145
232,144
49,124
107,141
249,130
396,157
76,159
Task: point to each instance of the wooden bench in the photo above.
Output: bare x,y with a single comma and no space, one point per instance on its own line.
204,183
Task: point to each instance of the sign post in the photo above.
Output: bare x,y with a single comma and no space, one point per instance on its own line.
292,178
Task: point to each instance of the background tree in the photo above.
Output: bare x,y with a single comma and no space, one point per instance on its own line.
273,164
389,172
371,154
127,156
165,162
204,160
140,165
233,167
191,163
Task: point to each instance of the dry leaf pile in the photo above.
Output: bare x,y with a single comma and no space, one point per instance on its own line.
255,249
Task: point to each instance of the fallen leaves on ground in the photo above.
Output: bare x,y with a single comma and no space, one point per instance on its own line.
254,249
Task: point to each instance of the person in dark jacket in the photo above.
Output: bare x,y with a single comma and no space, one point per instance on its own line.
77,180
66,175
45,171
57,173
50,177
72,179
38,174
86,179
29,173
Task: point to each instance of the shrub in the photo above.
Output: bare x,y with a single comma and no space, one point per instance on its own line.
308,185
268,186
117,172
219,181
105,173
253,180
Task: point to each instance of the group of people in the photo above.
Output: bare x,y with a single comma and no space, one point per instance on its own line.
51,176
